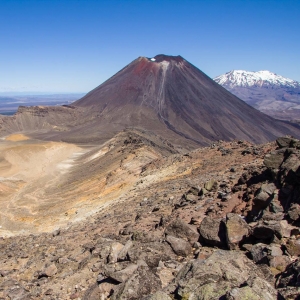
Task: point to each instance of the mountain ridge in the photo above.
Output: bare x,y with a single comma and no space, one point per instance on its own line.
259,78
272,94
165,95
185,99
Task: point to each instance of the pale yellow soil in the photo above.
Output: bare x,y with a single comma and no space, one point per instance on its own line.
44,185
16,137
26,169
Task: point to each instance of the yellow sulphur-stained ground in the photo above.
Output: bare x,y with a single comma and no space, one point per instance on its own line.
45,185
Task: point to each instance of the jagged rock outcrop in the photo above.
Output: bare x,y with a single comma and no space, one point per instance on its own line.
224,273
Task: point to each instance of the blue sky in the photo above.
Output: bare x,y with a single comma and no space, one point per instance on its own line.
73,46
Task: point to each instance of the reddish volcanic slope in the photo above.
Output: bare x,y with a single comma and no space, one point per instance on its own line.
170,96
165,95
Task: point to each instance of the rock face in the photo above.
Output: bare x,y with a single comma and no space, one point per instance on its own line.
223,273
179,246
256,289
49,271
142,282
180,229
212,231
165,95
158,296
274,159
236,230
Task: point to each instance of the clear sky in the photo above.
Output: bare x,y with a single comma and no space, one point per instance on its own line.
75,45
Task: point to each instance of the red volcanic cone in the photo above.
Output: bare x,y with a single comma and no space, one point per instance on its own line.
170,96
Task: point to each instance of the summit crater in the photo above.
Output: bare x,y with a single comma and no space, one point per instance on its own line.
169,58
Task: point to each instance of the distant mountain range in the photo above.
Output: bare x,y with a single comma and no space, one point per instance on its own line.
268,92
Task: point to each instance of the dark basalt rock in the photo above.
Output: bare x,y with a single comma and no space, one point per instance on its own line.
179,246
274,159
213,232
178,228
210,277
236,230
284,142
142,282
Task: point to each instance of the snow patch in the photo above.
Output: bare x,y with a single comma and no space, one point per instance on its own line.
261,78
153,59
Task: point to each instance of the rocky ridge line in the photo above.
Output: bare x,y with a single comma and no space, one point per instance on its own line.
246,246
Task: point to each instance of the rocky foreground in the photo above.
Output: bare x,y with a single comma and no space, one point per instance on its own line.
231,234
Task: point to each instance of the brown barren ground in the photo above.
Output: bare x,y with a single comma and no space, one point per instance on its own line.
46,185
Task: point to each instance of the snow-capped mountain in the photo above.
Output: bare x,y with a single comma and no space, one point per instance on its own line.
261,79
268,92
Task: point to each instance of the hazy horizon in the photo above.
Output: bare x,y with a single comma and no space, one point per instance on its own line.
38,93
9,103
